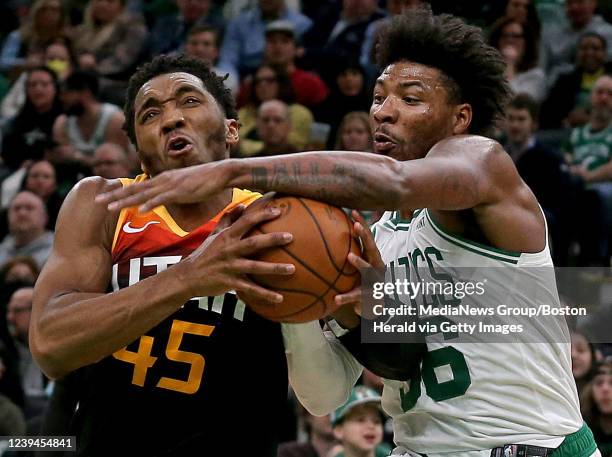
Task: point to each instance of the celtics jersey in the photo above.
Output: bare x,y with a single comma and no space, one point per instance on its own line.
591,149
471,394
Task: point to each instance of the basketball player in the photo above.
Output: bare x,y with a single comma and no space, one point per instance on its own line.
441,88
139,302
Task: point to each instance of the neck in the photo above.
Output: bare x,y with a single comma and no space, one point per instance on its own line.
321,444
598,124
25,238
290,68
351,451
190,216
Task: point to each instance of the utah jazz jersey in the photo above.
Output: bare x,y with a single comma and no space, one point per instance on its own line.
478,393
192,384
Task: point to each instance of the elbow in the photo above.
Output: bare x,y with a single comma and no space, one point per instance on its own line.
46,355
323,405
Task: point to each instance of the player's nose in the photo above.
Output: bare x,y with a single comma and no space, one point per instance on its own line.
172,119
386,111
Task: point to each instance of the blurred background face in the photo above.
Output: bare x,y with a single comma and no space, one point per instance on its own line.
350,82
517,9
602,392
580,12
512,36
266,84
519,125
41,179
192,10
273,123
40,90
106,11
26,214
18,313
396,7
582,358
72,101
591,54
110,162
356,136
280,49
357,8
203,46
320,426
361,429
20,272
49,15
57,58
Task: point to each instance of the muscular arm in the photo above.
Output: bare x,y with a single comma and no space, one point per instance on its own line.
74,323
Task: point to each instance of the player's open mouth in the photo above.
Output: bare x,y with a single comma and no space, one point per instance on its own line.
383,144
178,145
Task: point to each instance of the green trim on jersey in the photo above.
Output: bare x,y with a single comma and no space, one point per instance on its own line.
473,246
578,444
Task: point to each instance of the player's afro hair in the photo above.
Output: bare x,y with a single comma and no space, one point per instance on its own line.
474,72
164,64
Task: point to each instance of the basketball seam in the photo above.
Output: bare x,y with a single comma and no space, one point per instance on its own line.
321,234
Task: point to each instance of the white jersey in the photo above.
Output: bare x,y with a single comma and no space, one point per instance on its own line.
477,395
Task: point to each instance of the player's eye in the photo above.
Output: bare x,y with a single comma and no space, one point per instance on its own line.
378,98
409,99
191,100
148,115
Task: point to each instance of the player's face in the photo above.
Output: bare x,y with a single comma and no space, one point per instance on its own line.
178,123
410,111
361,429
602,392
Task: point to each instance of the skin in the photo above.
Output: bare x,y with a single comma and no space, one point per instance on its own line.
273,123
18,313
424,159
602,392
192,10
350,82
265,84
517,9
41,179
106,11
40,90
355,136
360,431
582,358
27,217
111,162
203,46
519,125
71,288
580,12
281,50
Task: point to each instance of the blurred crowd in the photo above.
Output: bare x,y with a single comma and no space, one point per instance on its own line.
302,74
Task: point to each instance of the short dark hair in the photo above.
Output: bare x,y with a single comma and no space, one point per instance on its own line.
473,72
165,64
82,80
205,28
525,101
600,37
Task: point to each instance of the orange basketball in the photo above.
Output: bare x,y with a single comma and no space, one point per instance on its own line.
322,240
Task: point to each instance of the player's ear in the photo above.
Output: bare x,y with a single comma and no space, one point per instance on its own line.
463,118
231,131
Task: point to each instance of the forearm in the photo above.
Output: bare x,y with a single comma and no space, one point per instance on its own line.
603,173
350,179
321,370
77,329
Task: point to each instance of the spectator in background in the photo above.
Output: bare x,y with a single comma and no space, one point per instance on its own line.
27,235
354,133
273,127
371,37
524,11
270,83
320,437
349,92
559,43
583,358
281,52
41,180
111,162
589,153
244,40
203,43
57,57
19,268
518,44
29,133
87,123
111,41
596,405
568,102
171,32
339,34
45,23
18,314
544,171
358,425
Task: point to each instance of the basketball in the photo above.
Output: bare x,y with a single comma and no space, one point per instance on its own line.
322,240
